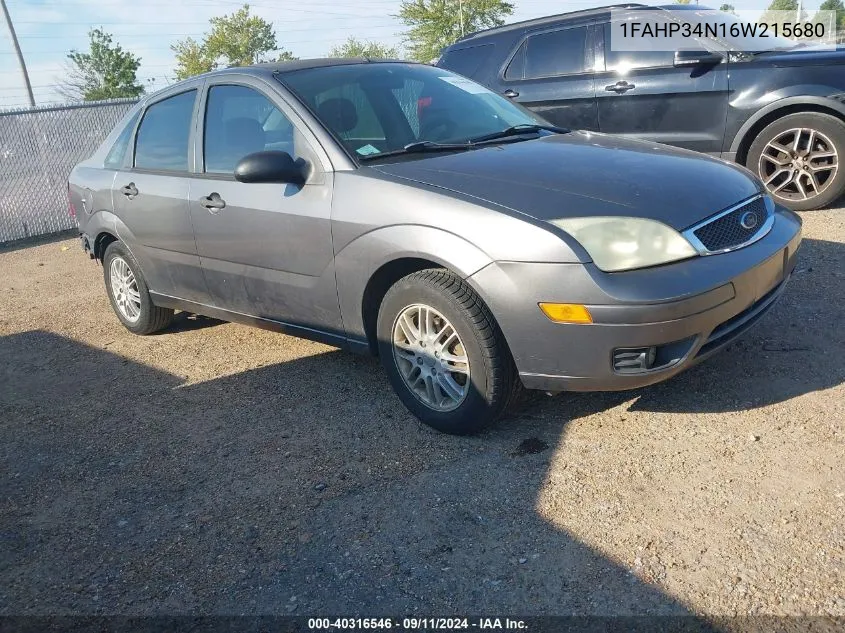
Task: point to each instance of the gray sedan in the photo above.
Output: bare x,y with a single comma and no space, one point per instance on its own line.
401,210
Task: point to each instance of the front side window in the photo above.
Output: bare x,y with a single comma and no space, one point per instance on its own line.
375,108
117,153
240,121
162,139
556,53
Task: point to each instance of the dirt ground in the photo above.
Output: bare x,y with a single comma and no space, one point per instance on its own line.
217,469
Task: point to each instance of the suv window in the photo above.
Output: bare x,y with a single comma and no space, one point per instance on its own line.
556,53
627,60
239,121
466,61
162,139
114,159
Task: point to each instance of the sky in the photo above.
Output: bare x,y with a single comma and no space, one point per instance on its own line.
48,30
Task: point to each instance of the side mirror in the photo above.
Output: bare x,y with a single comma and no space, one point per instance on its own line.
270,166
697,58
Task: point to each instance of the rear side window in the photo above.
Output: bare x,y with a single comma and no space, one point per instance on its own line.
556,53
466,61
627,60
162,139
117,153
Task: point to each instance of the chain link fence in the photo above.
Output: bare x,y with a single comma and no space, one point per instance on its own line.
38,148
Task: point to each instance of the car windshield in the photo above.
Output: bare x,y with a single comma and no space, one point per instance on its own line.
373,109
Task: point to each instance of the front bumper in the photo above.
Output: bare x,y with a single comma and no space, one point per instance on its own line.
691,308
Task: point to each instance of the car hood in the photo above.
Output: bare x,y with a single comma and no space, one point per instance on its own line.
809,56
587,174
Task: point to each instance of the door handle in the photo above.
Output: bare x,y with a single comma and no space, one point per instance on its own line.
213,202
130,190
620,87
510,94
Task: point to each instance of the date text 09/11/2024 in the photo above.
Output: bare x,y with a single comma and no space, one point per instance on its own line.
413,624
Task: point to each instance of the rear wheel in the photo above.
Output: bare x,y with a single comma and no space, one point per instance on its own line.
798,158
444,353
128,293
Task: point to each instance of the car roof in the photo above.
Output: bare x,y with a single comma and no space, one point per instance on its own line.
280,68
553,19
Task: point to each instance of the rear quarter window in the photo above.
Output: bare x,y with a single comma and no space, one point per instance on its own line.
467,61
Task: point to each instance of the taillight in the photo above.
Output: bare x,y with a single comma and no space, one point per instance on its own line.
70,207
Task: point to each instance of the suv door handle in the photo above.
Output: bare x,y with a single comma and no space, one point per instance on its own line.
130,190
619,87
213,202
510,94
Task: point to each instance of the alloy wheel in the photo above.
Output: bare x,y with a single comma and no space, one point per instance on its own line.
124,289
798,164
431,357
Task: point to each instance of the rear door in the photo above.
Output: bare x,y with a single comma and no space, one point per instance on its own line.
551,72
642,94
150,198
266,249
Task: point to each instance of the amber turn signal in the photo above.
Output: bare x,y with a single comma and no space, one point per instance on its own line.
566,312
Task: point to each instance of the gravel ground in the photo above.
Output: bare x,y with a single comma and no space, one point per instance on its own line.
216,468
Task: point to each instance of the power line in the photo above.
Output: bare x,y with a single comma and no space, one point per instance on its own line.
17,48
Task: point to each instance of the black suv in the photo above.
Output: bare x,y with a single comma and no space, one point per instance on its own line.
779,110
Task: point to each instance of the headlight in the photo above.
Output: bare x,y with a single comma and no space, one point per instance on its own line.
617,243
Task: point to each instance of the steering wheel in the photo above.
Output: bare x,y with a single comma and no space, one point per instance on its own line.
437,128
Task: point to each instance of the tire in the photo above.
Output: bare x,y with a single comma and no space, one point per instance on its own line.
778,169
150,318
493,383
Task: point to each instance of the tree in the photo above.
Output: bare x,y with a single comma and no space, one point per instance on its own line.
357,48
790,6
106,71
239,39
683,1
728,8
435,24
839,20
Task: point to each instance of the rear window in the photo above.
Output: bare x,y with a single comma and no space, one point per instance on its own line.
466,61
556,53
117,153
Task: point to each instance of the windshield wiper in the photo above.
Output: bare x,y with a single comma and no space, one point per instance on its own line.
418,147
516,130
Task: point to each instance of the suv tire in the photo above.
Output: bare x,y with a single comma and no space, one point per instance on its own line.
788,172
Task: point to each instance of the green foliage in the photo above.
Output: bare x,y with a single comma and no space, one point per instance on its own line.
357,48
435,24
791,6
728,8
239,39
839,7
106,71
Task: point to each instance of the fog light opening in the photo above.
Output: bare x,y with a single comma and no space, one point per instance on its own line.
634,360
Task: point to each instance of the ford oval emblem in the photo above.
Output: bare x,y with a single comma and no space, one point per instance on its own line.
748,220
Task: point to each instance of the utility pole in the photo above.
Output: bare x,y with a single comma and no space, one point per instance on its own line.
17,46
460,10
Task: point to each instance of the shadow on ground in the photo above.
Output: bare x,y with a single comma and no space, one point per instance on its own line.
304,487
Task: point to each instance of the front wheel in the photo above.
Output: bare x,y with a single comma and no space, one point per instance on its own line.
444,353
798,159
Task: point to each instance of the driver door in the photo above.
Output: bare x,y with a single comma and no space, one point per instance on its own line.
265,249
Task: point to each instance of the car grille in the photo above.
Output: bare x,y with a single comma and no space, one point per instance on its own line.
727,231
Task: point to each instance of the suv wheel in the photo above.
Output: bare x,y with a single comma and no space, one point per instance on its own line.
444,353
798,158
129,295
